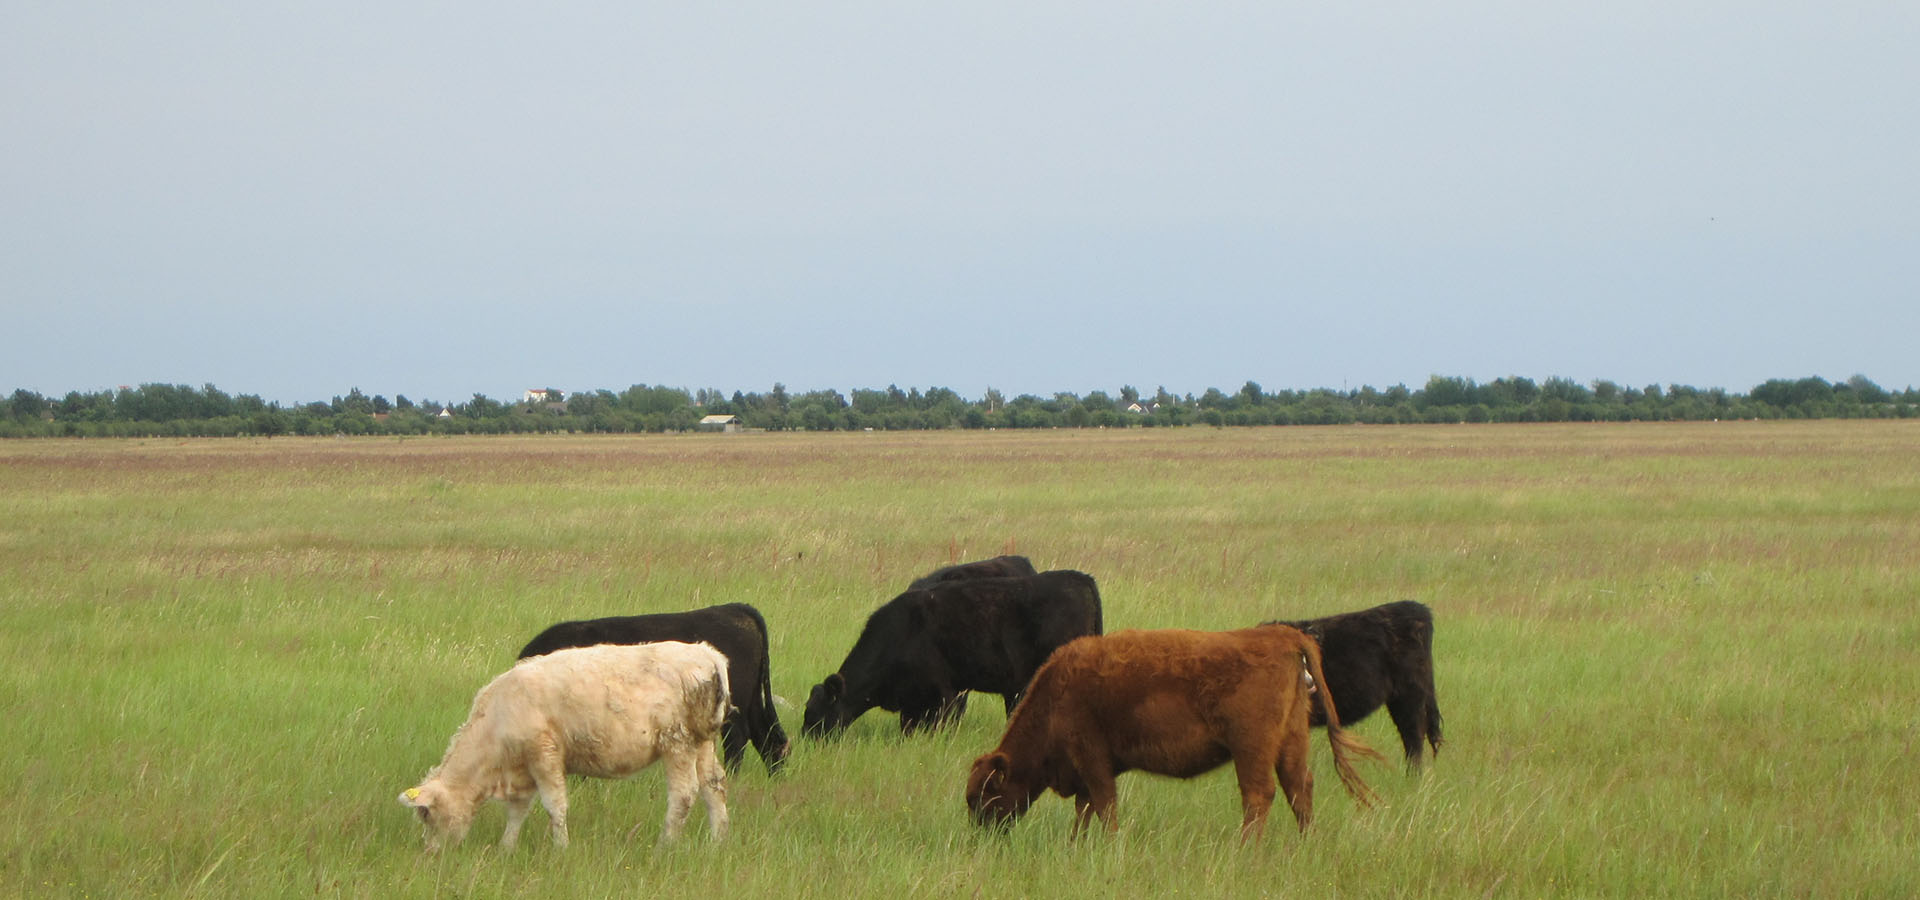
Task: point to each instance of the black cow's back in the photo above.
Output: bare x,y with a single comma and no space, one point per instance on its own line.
997,567
737,630
923,647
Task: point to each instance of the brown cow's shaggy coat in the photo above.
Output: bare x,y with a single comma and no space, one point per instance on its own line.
1174,702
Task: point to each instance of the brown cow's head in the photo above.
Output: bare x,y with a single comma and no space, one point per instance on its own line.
992,800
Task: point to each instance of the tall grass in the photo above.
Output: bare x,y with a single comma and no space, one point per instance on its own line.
1674,660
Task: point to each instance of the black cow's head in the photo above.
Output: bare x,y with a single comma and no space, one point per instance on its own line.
827,710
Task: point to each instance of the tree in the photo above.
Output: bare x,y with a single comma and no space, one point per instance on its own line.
1251,395
1565,389
355,402
480,407
26,406
268,423
1444,391
1863,389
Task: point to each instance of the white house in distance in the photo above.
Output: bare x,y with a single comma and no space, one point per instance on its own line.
542,395
720,423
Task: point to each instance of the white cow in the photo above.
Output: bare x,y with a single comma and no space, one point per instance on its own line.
606,711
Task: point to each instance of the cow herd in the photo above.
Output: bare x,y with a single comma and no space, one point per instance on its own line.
608,697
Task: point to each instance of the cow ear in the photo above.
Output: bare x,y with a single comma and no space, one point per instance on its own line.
415,798
420,800
998,762
835,685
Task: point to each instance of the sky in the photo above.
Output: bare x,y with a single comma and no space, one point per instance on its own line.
438,199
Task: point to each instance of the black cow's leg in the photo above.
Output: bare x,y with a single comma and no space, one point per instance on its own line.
1012,699
953,706
772,745
914,718
733,741
1410,717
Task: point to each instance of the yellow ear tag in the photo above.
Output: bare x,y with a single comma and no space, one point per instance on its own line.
413,793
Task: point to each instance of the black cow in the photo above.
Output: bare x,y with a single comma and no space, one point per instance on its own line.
997,567
736,630
1382,655
920,650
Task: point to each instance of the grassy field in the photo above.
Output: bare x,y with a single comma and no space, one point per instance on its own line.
1674,660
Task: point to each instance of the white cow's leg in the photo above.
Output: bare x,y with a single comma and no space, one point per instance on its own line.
682,782
517,808
713,789
550,777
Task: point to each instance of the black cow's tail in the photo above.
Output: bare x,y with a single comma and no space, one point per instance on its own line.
1423,636
774,751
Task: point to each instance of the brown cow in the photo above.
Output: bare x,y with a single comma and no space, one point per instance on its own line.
1174,702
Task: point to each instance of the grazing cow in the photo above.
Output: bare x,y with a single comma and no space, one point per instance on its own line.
1382,655
1173,702
606,711
997,567
734,629
920,650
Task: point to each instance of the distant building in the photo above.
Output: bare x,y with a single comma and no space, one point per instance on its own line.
720,423
542,395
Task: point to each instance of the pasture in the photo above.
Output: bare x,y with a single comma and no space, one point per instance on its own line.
1673,660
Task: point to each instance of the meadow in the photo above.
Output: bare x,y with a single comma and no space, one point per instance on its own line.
1674,660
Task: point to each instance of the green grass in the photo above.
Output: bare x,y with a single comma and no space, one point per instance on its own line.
1674,660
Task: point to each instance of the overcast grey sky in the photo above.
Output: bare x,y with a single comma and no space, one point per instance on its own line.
437,199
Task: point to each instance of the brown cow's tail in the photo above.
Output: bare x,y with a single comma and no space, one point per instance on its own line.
1342,742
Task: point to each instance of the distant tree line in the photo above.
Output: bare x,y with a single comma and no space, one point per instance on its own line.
152,410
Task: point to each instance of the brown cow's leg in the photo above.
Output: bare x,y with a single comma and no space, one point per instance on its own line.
1296,780
1082,815
1097,788
1256,791
1106,802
